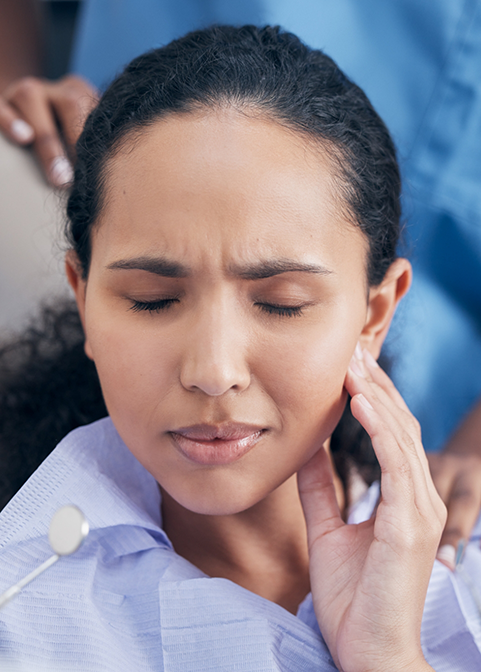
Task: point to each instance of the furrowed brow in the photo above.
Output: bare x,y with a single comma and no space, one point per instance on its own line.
156,265
267,269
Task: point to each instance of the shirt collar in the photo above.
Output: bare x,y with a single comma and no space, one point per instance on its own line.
93,469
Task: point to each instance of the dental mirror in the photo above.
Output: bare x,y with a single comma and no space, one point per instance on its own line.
68,528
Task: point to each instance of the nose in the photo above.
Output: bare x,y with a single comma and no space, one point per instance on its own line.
215,355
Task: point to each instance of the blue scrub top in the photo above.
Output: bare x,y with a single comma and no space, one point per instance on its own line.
419,61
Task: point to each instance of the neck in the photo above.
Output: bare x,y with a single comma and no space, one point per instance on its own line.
263,549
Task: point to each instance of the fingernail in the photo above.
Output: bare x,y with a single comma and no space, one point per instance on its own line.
358,351
369,359
356,367
22,131
61,172
447,555
364,401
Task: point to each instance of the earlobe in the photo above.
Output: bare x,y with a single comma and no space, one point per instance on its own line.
383,301
76,281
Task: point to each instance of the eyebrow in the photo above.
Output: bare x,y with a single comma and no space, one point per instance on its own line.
157,265
269,268
263,269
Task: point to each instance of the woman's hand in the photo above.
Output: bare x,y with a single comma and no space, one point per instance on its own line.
369,581
49,115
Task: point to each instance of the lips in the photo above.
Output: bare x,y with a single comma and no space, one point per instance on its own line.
216,445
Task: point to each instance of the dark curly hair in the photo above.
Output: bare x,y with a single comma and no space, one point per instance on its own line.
258,70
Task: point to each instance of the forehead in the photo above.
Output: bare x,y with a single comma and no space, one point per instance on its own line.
228,180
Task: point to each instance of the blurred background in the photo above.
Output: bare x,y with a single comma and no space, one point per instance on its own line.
59,17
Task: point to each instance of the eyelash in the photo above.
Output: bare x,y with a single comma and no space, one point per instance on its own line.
152,306
164,304
281,311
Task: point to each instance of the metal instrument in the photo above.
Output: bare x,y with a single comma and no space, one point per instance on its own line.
68,528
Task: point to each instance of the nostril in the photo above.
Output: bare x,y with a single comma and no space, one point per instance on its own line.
214,380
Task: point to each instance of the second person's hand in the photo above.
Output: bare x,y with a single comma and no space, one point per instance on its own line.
50,116
457,477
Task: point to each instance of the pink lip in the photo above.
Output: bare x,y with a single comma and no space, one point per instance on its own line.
211,445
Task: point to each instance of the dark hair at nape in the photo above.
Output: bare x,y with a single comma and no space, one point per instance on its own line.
270,72
48,387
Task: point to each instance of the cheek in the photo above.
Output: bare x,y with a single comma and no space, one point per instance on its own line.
308,367
135,368
305,376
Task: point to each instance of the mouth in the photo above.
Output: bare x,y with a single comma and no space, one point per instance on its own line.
216,445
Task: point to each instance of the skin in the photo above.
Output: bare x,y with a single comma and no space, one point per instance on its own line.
222,195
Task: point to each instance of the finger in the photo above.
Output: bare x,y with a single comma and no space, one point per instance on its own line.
464,504
405,490
13,126
389,391
397,434
380,382
392,458
399,422
382,379
32,102
73,99
318,496
404,478
403,423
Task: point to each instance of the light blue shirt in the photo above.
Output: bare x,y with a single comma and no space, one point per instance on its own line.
126,601
419,61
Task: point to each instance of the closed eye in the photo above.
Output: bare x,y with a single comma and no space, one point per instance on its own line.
163,304
280,310
153,306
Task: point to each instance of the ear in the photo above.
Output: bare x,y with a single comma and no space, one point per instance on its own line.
76,281
382,304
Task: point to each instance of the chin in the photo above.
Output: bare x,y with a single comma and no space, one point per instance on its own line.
213,499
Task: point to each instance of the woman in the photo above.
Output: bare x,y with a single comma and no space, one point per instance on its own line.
233,222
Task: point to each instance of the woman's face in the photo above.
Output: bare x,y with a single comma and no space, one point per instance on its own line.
226,294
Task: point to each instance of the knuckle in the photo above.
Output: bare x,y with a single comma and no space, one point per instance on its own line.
403,472
405,468
70,80
27,87
71,96
74,85
409,443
